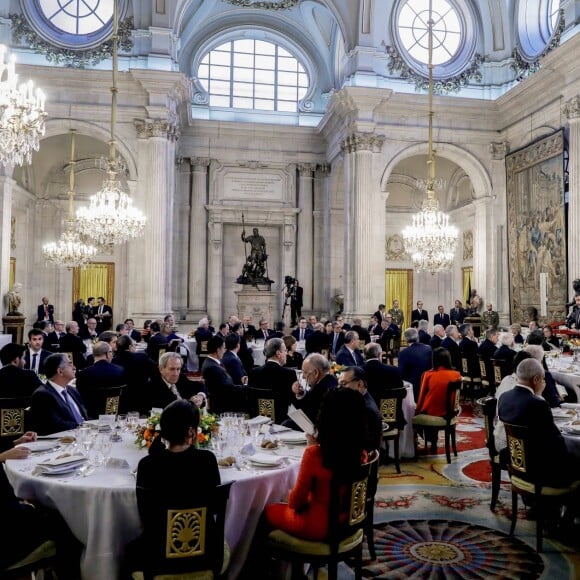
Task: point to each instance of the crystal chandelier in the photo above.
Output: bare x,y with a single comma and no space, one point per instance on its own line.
69,251
430,240
111,219
21,115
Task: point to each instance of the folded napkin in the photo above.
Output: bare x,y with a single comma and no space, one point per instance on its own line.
61,464
570,405
259,420
266,459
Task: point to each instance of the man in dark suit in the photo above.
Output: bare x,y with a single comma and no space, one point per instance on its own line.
337,339
89,330
71,342
349,354
486,351
139,370
318,339
14,380
52,341
414,360
102,374
244,353
523,405
104,315
170,384
423,330
45,311
438,336
316,373
231,360
573,319
468,347
441,317
419,313
224,394
249,328
505,350
380,313
35,355
362,332
263,332
296,301
390,339
374,327
273,375
133,332
301,332
457,314
450,343
380,377
56,406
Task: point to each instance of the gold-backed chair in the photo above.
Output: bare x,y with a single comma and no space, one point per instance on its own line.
391,410
526,475
345,538
13,415
486,379
448,423
191,541
103,401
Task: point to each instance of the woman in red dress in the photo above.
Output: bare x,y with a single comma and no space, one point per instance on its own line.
330,454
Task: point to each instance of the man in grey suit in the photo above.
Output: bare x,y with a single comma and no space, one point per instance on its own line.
414,360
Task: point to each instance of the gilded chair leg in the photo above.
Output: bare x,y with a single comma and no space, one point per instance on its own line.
514,512
396,453
358,565
539,524
454,441
495,482
447,445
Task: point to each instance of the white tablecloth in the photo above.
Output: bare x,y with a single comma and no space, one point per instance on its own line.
101,509
567,374
257,352
407,437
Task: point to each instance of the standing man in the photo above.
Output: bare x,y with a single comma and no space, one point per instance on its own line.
296,301
419,313
380,313
490,318
450,343
45,311
457,314
73,344
441,317
104,315
35,355
397,314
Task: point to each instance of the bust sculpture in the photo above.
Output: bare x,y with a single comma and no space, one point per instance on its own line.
14,300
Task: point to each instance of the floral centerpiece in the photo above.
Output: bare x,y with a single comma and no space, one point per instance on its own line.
336,369
208,425
146,434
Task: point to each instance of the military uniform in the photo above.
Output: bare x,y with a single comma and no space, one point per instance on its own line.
490,319
398,316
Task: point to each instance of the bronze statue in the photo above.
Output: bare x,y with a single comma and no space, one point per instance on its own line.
255,270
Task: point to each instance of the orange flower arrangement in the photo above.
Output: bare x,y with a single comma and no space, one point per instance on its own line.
336,369
146,435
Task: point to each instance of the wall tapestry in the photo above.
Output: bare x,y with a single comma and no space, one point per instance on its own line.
536,229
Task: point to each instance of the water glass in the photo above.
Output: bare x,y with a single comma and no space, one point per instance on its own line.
122,423
132,420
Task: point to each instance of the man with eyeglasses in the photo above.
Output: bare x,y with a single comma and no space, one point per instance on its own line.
524,406
102,374
354,378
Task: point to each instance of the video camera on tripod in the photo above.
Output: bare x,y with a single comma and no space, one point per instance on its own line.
289,283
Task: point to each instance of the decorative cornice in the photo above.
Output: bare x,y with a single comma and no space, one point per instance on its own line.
147,128
362,142
499,150
275,5
442,86
523,67
23,34
571,108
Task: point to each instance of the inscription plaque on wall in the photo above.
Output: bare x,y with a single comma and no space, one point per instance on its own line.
239,184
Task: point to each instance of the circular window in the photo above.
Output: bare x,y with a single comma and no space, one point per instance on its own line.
76,24
453,35
537,20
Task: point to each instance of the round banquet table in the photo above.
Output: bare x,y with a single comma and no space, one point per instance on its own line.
101,509
407,437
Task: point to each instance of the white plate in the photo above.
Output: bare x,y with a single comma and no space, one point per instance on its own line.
259,420
37,446
264,459
295,437
570,428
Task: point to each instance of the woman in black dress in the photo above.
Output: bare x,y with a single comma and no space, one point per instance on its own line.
294,359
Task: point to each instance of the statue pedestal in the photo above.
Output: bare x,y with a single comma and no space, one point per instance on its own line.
258,304
14,325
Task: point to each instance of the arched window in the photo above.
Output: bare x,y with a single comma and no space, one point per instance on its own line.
253,74
76,24
537,20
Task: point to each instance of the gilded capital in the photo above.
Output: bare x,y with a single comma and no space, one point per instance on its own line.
499,150
148,128
362,142
571,108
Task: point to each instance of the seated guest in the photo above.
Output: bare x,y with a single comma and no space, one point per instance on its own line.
318,340
550,342
374,327
72,342
138,371
133,332
450,343
433,393
247,325
414,360
335,453
349,354
468,347
159,339
121,329
102,374
54,336
362,332
223,330
202,335
171,385
231,360
438,336
486,351
294,359
89,331
523,405
301,332
32,525
177,472
550,392
390,339
272,374
245,352
224,394
14,380
379,377
56,406
279,329
423,329
516,330
505,351
355,378
146,332
316,372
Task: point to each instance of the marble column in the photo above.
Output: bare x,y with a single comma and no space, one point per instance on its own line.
571,110
481,248
155,163
305,234
198,236
364,233
180,239
6,187
321,249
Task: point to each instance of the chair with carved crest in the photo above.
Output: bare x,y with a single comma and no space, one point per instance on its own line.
268,403
13,417
345,538
104,401
391,410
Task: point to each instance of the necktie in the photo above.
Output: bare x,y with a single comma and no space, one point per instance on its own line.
334,343
354,358
301,334
175,391
78,417
34,362
265,334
